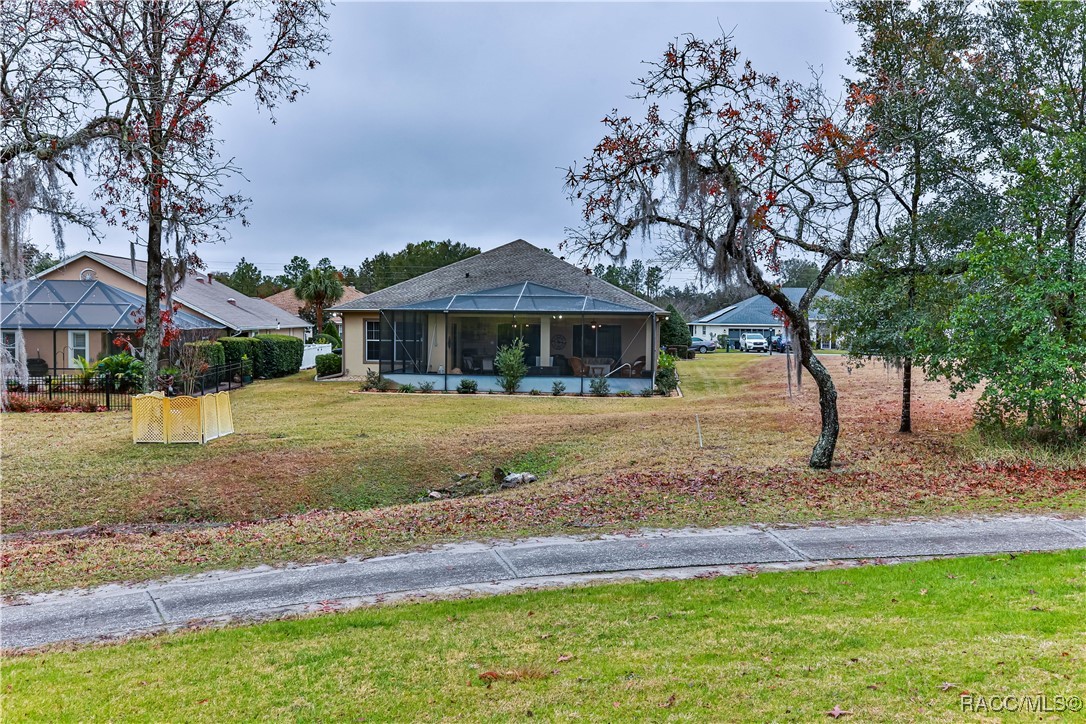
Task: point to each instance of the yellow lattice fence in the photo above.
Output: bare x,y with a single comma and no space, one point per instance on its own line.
156,418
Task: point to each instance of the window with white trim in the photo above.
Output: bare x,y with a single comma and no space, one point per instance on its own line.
77,347
373,341
88,275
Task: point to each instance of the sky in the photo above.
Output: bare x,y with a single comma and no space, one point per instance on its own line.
458,120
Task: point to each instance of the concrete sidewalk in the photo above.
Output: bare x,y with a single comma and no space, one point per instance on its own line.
116,610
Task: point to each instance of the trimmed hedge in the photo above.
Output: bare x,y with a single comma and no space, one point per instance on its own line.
278,355
210,352
234,348
328,364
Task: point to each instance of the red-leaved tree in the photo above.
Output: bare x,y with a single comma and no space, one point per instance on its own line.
730,169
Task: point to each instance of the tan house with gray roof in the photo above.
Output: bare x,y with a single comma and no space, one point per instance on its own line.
201,295
447,325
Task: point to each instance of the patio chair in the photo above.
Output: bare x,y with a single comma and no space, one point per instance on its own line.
577,366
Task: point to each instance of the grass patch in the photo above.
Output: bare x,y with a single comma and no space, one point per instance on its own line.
888,643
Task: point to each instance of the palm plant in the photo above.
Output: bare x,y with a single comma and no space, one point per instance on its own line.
320,287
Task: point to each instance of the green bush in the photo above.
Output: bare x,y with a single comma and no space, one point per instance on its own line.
373,380
667,379
674,331
326,339
647,392
623,393
330,330
510,365
467,387
213,354
558,388
600,386
328,364
407,388
123,371
235,348
279,355
426,387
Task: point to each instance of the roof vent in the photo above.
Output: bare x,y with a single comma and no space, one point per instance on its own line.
467,275
233,301
199,280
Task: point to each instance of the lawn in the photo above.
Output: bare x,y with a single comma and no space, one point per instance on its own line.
317,472
886,643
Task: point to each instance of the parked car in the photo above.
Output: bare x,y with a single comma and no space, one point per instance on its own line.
753,343
703,345
780,344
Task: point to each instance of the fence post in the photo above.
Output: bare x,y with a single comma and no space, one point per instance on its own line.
49,386
107,385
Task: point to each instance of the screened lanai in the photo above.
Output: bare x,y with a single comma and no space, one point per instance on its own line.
568,337
62,320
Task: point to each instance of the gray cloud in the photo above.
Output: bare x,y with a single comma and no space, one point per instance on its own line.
456,120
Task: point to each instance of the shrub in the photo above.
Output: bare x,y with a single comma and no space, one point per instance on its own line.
510,365
623,393
467,387
328,364
647,392
213,354
674,331
407,388
279,355
330,330
327,339
372,381
558,388
426,387
667,379
600,386
388,386
236,348
123,371
534,393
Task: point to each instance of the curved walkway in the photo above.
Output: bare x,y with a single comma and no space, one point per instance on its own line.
114,611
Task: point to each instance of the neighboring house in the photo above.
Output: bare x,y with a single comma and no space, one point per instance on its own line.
286,301
755,314
65,319
199,295
447,325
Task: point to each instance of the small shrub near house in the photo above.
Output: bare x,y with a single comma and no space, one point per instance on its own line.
328,364
372,380
467,387
667,378
121,371
558,388
407,388
510,365
426,387
213,354
330,330
600,386
279,355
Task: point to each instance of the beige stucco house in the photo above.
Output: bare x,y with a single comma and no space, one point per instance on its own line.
446,325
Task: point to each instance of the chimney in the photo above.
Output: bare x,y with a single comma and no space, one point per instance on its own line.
209,278
233,301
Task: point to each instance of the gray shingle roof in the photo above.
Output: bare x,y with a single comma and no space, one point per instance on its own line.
514,263
210,300
78,304
757,311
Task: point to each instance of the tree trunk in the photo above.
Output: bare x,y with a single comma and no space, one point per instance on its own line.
152,336
822,454
907,397
156,182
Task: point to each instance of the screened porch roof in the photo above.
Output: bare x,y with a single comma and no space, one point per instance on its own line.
77,304
522,298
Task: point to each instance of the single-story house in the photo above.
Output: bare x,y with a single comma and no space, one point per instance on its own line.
755,315
447,325
286,301
199,295
65,319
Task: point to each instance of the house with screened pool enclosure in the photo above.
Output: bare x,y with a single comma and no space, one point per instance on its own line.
447,325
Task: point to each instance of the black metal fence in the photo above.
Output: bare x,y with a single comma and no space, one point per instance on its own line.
57,392
60,392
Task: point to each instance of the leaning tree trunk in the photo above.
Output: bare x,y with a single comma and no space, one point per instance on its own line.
822,454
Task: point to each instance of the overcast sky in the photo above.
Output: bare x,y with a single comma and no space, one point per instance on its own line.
456,120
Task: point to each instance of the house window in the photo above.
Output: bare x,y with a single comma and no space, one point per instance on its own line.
9,344
88,275
599,341
77,347
373,341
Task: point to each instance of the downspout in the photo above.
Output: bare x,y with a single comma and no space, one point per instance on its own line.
446,367
583,364
655,351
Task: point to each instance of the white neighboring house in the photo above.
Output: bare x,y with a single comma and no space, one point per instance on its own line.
755,315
